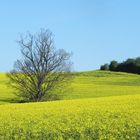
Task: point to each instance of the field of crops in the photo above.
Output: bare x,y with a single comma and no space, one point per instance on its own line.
101,105
99,118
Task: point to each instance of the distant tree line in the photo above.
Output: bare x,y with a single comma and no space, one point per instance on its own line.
130,66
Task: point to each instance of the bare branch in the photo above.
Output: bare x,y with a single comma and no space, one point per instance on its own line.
41,69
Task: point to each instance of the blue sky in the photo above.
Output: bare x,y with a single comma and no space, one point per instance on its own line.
96,31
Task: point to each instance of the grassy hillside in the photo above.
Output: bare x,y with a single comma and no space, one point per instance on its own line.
110,116
99,118
6,93
87,85
103,83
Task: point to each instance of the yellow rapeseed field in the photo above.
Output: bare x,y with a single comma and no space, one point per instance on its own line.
116,117
98,106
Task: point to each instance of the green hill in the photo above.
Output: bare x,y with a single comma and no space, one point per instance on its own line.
86,85
99,84
111,116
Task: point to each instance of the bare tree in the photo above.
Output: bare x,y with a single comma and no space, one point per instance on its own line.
41,69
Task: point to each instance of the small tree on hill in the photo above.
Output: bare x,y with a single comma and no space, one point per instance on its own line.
41,69
113,65
104,67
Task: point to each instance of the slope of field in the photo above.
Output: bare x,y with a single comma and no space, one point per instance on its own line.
99,118
110,116
87,85
6,93
103,83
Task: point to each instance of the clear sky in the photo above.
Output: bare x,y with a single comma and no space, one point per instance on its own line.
96,31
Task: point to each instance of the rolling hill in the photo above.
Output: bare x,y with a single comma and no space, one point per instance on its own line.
86,85
101,105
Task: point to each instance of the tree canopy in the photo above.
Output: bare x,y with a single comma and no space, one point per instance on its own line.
41,69
131,65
